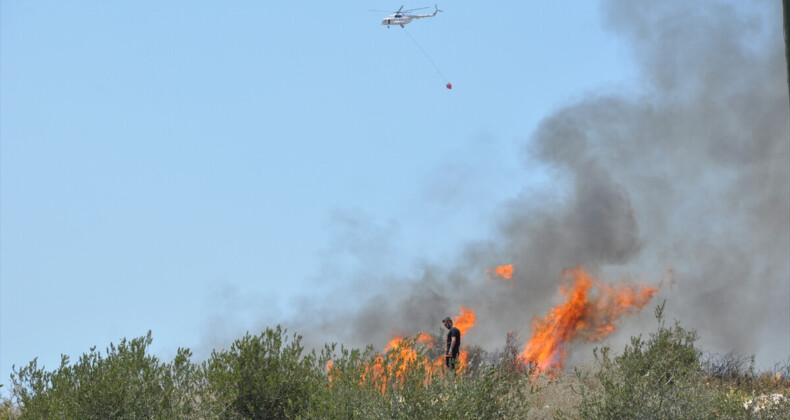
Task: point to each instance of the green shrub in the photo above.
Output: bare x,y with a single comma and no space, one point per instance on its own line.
494,394
664,377
270,376
346,394
657,378
8,410
263,377
125,383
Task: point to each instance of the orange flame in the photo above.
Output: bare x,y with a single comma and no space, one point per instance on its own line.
465,321
400,355
582,316
463,359
331,371
504,271
402,352
425,339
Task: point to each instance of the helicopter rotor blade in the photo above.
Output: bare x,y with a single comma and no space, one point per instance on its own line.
399,10
414,10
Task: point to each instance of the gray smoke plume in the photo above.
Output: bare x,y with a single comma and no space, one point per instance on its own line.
690,173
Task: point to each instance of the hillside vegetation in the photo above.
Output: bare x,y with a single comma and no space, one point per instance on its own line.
271,376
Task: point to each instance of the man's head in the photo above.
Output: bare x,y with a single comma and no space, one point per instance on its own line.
448,322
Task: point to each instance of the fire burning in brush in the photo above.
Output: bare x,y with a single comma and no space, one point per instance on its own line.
426,339
504,271
399,358
589,313
331,371
464,322
402,354
393,363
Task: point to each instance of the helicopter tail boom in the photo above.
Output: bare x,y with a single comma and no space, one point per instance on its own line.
426,16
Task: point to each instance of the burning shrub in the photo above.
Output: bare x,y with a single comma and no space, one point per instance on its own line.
270,376
405,381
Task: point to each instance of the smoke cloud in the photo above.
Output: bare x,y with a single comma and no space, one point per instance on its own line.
688,175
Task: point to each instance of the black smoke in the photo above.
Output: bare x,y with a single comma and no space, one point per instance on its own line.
688,173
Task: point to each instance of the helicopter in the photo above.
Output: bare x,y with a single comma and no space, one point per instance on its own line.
401,17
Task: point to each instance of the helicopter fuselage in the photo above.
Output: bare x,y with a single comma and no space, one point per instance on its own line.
397,19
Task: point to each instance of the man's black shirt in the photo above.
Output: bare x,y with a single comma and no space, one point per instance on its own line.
454,332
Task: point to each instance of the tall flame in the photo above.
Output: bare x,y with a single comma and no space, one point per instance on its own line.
584,315
465,321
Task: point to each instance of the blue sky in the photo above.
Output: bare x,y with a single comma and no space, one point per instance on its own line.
155,154
168,164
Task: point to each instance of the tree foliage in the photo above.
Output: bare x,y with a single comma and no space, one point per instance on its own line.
266,376
271,376
124,383
663,377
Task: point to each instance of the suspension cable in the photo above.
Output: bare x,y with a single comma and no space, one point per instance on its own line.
426,56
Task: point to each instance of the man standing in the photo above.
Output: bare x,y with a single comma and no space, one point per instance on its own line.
453,344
